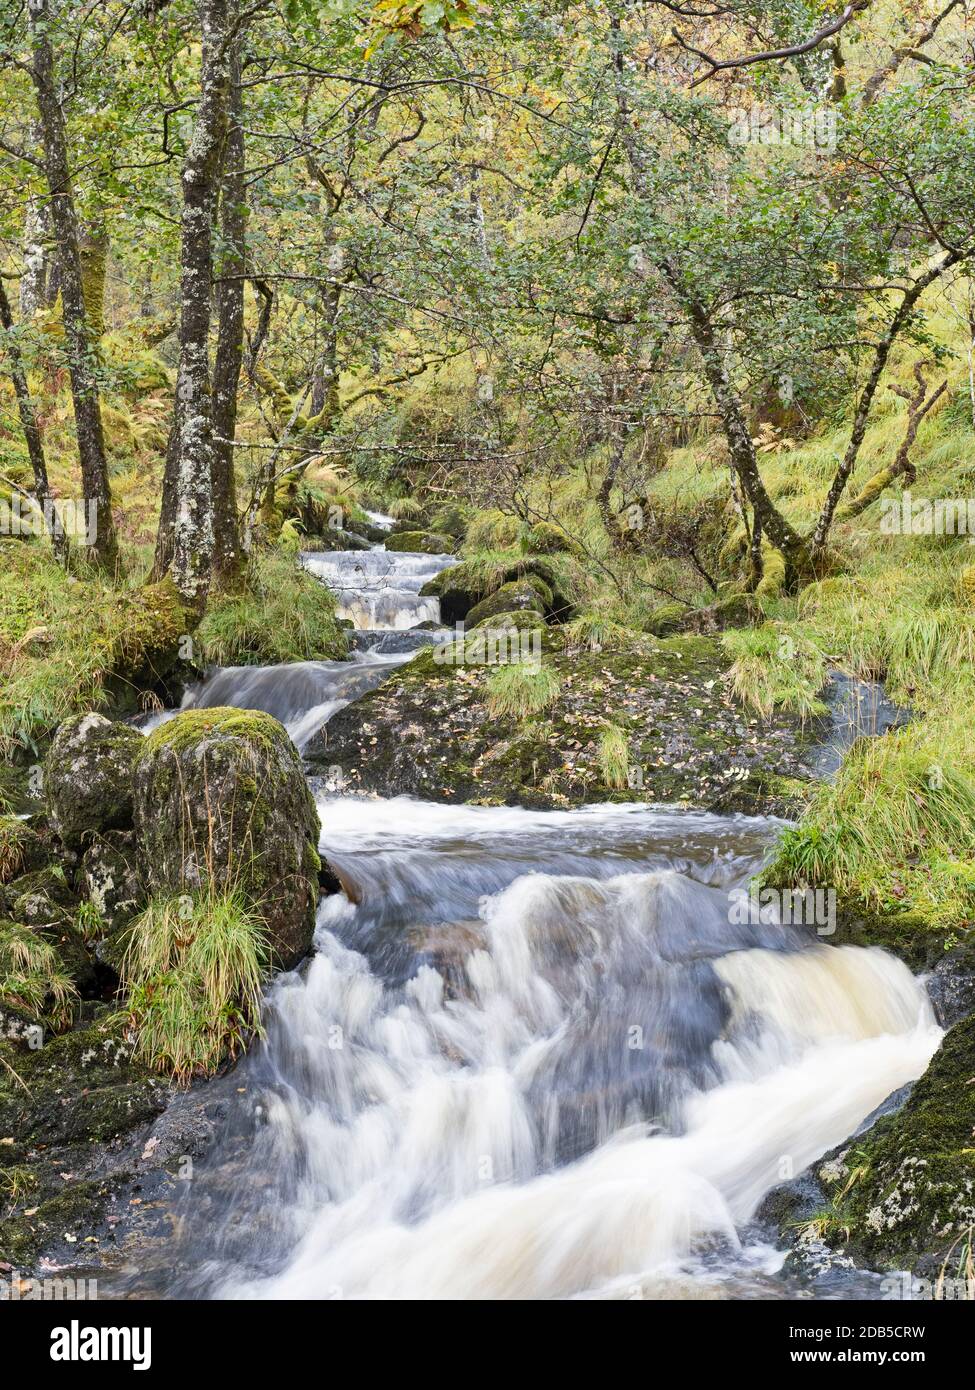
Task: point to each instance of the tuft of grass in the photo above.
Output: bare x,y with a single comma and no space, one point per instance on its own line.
194,965
895,828
773,667
14,835
522,689
283,614
31,977
405,509
614,756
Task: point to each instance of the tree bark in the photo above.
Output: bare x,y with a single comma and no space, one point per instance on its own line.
192,541
28,421
228,555
81,361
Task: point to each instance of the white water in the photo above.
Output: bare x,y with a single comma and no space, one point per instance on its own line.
378,588
420,1128
534,1055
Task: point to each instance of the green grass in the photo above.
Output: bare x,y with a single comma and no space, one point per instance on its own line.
14,836
521,690
31,977
614,756
194,966
283,614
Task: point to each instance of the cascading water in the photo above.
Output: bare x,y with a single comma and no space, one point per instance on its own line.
534,1055
378,588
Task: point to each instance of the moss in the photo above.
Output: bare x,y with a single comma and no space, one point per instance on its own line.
193,725
527,594
666,619
450,521
420,542
906,1189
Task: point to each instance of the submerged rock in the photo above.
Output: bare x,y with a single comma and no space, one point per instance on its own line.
220,798
88,777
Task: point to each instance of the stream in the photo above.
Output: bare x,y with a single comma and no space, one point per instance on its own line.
534,1055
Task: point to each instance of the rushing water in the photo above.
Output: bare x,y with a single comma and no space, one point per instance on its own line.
534,1054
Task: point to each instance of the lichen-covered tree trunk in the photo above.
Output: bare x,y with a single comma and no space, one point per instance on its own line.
192,545
32,434
36,232
103,544
228,555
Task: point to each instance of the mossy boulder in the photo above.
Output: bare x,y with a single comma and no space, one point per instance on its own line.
420,542
457,588
65,1101
529,594
522,620
88,777
220,798
546,539
450,521
667,619
904,1192
41,897
732,611
329,538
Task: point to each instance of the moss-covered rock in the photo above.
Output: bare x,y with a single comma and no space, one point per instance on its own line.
22,848
420,542
458,588
530,594
220,798
88,777
667,619
733,610
110,876
546,539
450,521
904,1193
64,1102
427,731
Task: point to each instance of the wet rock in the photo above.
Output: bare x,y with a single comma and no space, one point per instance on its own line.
427,731
66,1102
334,539
951,985
904,1193
220,797
88,777
457,588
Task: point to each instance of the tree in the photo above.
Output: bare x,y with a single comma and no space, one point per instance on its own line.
82,363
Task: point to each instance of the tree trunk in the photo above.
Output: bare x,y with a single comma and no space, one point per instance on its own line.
192,542
228,555
28,420
81,363
36,232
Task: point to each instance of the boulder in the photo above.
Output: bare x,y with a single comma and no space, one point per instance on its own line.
458,590
111,879
450,520
88,777
220,798
904,1192
530,594
420,543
